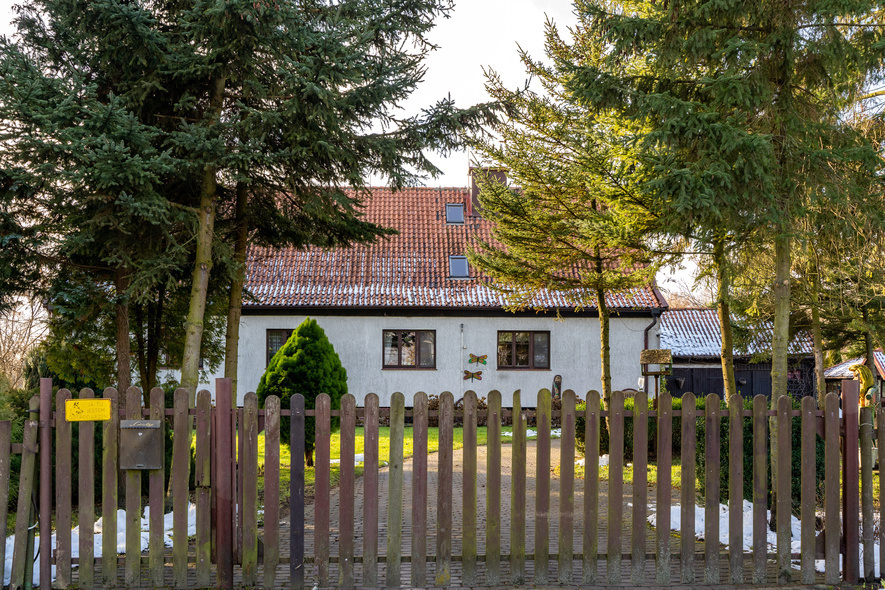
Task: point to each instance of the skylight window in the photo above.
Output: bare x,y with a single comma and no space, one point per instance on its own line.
454,213
458,268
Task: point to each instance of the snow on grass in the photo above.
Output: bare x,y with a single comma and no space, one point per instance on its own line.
747,533
98,530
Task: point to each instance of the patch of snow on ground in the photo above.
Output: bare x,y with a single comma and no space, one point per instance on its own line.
747,534
98,531
532,433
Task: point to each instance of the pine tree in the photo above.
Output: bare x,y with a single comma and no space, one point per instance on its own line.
307,364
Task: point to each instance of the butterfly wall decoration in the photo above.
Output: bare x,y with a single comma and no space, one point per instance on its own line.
481,359
472,375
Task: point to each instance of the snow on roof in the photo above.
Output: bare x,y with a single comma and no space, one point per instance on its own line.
696,333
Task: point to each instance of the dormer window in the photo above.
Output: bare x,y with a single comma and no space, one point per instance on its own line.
454,213
458,268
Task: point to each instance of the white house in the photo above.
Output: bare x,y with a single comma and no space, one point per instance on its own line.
407,313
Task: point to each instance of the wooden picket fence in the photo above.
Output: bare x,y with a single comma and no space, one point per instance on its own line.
225,551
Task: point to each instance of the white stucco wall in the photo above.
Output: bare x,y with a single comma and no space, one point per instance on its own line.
574,348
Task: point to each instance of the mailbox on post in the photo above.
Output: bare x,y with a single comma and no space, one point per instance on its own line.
141,444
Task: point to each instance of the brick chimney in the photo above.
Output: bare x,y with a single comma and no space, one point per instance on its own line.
492,174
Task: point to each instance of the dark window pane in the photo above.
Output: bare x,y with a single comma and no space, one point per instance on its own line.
521,340
275,341
407,349
391,353
428,349
454,213
541,350
458,266
505,350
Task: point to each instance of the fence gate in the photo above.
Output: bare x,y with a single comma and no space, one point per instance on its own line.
444,519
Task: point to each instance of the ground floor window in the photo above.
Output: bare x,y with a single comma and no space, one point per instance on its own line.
409,349
275,340
523,350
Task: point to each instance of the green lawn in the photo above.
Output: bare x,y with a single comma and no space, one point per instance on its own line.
335,448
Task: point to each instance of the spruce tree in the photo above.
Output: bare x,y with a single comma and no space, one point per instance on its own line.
307,364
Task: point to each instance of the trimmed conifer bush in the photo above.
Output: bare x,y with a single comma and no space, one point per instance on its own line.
307,364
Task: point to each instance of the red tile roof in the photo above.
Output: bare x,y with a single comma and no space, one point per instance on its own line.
696,333
407,270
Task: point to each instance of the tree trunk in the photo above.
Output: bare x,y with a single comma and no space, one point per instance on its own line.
124,356
141,353
604,347
779,348
818,345
154,334
234,307
723,291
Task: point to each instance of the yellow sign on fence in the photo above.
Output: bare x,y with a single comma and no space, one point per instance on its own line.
85,410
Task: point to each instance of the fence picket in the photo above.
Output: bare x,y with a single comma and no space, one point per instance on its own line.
395,491
156,496
271,490
542,487
249,467
665,460
444,491
296,489
615,486
5,471
469,491
517,493
850,482
880,430
420,407
203,482
736,488
640,485
591,488
110,438
322,485
86,497
180,467
711,504
784,498
63,478
223,489
760,488
346,498
832,499
21,555
239,428
809,434
370,492
866,490
493,490
567,487
44,479
687,494
132,569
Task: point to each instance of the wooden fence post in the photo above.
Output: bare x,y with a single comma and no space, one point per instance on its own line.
831,489
45,480
370,491
640,486
444,490
420,407
86,498
21,557
760,488
346,495
591,488
5,469
866,490
493,490
156,497
711,501
271,490
223,487
180,468
687,494
323,487
469,490
132,568
736,488
850,483
109,475
296,482
665,460
542,487
395,491
567,487
517,493
203,483
809,436
63,485
784,497
249,467
615,486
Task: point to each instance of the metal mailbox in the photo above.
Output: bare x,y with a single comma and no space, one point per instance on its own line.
141,444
